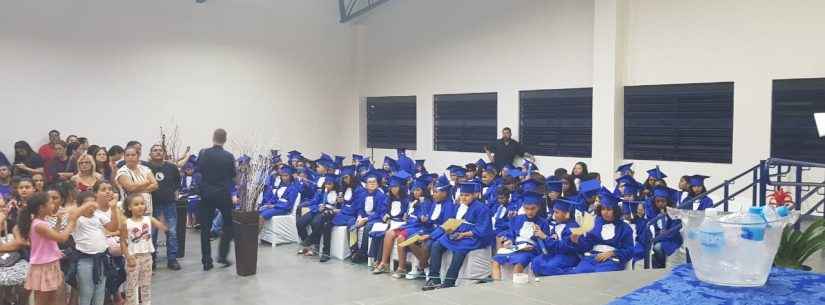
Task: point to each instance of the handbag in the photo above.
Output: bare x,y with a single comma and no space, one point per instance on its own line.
8,259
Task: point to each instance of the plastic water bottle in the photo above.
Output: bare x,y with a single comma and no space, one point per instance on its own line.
756,223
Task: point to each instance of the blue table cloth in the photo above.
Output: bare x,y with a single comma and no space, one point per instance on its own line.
784,286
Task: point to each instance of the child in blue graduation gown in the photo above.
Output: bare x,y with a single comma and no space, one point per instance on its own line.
697,187
437,212
661,233
280,199
587,199
372,203
622,170
524,233
500,215
416,221
324,199
395,209
655,176
609,246
559,255
475,233
189,186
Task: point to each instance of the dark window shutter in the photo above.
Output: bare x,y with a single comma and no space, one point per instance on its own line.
793,130
391,122
464,122
685,122
557,122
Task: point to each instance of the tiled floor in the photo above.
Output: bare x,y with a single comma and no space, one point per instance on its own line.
285,278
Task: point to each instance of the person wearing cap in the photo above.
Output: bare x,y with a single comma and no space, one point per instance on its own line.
609,246
628,189
189,182
440,210
500,214
587,198
621,171
394,210
554,190
474,233
661,233
279,200
420,170
505,150
559,255
458,175
404,162
347,210
320,208
525,233
417,221
371,205
489,185
697,187
655,177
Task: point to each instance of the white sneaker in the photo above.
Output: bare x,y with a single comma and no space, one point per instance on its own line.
413,275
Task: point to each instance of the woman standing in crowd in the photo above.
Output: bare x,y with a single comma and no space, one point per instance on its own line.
102,165
26,161
135,178
39,182
86,176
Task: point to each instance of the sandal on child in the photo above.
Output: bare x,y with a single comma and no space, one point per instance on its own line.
380,269
400,273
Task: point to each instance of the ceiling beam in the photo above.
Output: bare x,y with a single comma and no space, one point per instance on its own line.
351,9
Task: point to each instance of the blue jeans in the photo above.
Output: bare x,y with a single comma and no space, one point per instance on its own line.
170,217
89,293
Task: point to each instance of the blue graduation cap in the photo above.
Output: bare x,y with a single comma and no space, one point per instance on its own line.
326,157
347,170
529,185
608,199
339,161
663,191
382,174
656,173
530,166
325,162
515,173
401,152
294,155
590,187
399,178
330,178
357,158
564,205
697,180
531,198
372,174
554,185
422,182
457,170
286,170
469,187
624,169
442,183
630,185
481,164
311,174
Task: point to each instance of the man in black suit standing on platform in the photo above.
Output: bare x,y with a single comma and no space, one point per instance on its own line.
217,168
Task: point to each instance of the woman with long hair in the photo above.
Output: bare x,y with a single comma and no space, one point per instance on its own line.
86,176
102,165
568,186
579,172
26,161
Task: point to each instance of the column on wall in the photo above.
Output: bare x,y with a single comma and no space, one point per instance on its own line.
608,72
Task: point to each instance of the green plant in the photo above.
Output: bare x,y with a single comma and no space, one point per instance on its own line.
795,246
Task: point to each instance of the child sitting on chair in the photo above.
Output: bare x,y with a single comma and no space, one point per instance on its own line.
525,238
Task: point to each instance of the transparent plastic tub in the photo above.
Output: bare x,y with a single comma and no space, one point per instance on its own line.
733,249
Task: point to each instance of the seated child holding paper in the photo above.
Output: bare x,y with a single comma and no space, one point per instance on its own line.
609,245
392,210
559,255
437,212
524,239
474,232
500,215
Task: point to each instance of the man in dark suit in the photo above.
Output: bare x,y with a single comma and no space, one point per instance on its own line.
217,169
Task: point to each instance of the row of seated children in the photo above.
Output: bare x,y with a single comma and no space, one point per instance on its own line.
526,220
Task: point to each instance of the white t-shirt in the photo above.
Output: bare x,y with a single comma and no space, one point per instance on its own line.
90,235
136,176
140,236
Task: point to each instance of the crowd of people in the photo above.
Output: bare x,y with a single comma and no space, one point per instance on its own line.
79,222
564,223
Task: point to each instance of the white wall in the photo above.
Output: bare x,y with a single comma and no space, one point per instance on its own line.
273,72
432,47
439,47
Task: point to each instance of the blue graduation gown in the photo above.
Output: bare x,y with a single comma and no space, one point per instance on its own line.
396,209
521,231
560,254
189,190
417,218
438,213
500,219
373,206
616,235
281,198
701,204
350,209
476,219
665,229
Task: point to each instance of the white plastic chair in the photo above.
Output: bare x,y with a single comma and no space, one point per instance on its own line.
282,229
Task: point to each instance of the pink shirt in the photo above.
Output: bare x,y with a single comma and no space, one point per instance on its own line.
44,250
